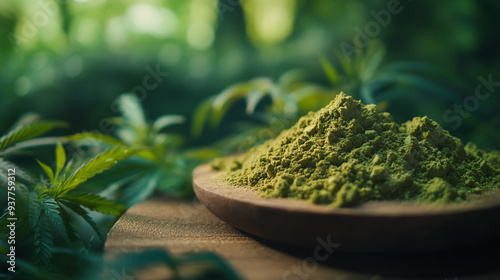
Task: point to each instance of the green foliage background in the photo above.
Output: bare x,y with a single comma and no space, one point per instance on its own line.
233,76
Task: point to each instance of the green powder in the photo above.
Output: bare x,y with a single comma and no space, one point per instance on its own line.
347,153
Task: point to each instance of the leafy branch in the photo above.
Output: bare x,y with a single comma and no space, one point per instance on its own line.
23,135
365,77
160,162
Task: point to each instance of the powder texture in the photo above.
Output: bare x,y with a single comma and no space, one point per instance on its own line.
348,153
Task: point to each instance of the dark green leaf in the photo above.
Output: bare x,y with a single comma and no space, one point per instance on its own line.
420,83
200,117
331,73
411,66
85,215
4,230
140,190
70,228
43,242
51,211
202,154
347,67
28,131
367,95
35,209
220,264
21,174
94,202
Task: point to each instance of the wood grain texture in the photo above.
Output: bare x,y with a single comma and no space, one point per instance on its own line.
185,227
375,227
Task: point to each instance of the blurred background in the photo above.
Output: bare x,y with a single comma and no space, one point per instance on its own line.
69,60
223,75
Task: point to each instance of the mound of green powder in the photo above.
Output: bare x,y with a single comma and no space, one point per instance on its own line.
348,153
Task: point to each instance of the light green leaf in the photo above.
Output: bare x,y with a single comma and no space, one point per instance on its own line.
411,66
116,185
31,143
23,228
168,141
132,111
28,131
47,170
201,154
60,159
253,99
94,202
98,164
291,77
167,120
130,136
93,139
26,119
311,98
200,117
330,71
225,100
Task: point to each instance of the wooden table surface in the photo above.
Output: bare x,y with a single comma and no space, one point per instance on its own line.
187,226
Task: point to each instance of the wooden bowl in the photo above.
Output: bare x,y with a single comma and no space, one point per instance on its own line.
374,227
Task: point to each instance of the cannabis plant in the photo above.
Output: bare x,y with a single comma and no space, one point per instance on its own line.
50,203
368,79
290,97
23,135
161,163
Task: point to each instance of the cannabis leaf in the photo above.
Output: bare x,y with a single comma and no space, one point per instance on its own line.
159,162
22,135
289,96
286,95
51,201
28,131
99,163
366,77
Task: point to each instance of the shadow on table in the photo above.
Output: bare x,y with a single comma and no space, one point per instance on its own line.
451,264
